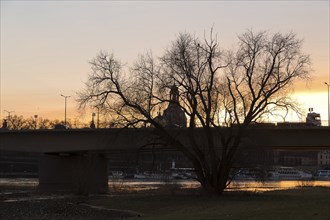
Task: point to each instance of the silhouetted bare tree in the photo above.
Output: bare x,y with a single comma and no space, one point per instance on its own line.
216,89
44,123
260,73
16,122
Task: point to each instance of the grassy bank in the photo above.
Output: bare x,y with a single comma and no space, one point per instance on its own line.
304,203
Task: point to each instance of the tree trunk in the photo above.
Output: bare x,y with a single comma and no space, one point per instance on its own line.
215,182
216,173
215,185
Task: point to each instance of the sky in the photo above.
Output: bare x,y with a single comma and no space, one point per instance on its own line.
46,45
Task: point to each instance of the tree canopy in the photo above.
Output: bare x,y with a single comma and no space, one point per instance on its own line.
216,88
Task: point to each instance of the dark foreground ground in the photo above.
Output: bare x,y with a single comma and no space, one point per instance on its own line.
56,209
302,203
27,203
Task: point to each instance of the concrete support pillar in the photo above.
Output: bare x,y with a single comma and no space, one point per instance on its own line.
81,173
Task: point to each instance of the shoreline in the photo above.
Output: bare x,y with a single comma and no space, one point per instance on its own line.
28,203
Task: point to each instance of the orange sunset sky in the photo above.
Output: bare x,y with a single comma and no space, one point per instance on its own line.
46,45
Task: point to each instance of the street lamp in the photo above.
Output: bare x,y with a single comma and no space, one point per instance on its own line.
65,97
5,123
35,121
98,116
9,112
328,85
92,123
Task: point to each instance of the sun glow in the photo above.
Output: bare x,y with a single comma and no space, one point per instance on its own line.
46,46
316,100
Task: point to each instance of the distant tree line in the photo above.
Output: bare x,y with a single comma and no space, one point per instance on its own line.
18,122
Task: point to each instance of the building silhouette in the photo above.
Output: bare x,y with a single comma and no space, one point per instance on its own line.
173,115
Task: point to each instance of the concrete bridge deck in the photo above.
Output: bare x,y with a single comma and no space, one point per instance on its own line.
75,160
72,140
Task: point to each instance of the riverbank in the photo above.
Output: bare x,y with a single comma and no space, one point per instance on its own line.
302,203
169,203
29,204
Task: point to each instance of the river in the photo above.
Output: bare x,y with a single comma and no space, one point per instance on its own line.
136,185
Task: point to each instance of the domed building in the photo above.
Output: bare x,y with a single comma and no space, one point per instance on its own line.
173,115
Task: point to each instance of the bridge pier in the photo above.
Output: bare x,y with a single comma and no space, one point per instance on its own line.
81,173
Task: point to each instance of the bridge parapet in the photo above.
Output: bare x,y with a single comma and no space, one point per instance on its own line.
52,141
76,159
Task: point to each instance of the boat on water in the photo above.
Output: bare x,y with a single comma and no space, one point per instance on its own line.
323,175
116,174
248,174
153,175
173,173
183,173
289,173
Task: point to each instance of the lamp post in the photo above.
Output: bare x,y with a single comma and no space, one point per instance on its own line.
35,121
96,114
328,85
5,122
65,97
92,123
9,112
98,117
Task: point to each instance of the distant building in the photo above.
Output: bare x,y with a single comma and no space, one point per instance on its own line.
4,124
173,115
323,158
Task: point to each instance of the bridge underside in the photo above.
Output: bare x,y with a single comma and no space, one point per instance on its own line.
80,172
64,166
52,141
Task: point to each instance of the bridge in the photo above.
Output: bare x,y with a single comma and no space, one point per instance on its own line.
76,159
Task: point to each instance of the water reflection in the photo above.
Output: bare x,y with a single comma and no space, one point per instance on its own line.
17,184
246,185
275,185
